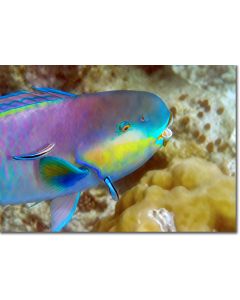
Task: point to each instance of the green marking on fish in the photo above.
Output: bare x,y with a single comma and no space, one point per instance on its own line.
27,107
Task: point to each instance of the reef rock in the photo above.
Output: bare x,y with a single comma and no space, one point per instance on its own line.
195,191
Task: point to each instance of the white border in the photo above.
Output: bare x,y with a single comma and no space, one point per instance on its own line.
143,266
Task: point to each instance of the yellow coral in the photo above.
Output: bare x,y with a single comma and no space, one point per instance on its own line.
198,194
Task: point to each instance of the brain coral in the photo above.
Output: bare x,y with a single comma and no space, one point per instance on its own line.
195,191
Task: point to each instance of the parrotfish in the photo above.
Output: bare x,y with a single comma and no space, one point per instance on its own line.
54,144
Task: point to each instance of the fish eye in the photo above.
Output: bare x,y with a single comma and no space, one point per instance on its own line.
142,119
124,126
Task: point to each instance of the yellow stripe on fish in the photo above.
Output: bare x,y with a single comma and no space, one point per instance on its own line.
125,149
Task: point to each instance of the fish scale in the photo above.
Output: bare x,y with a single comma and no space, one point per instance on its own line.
89,143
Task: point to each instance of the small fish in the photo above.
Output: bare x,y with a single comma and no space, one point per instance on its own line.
54,144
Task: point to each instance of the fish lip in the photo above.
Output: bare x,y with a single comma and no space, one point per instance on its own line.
167,132
165,135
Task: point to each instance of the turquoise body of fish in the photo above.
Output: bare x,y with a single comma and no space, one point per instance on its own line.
55,144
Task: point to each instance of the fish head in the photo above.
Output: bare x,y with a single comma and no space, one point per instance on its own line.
152,117
144,117
134,126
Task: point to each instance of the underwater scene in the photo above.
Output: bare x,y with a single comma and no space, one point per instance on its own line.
118,149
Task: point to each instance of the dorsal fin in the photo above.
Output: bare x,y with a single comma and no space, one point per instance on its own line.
54,91
13,96
24,98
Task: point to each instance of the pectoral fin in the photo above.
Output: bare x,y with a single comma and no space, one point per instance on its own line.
107,180
62,210
59,173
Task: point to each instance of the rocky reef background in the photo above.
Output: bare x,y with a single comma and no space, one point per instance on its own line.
203,102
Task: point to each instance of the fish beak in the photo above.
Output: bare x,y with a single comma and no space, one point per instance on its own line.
166,134
164,137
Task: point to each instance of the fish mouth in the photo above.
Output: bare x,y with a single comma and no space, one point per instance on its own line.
166,134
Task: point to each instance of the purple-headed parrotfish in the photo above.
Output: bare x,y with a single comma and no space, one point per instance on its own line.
55,144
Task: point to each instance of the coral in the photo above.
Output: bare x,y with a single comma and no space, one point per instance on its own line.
22,218
89,202
197,193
